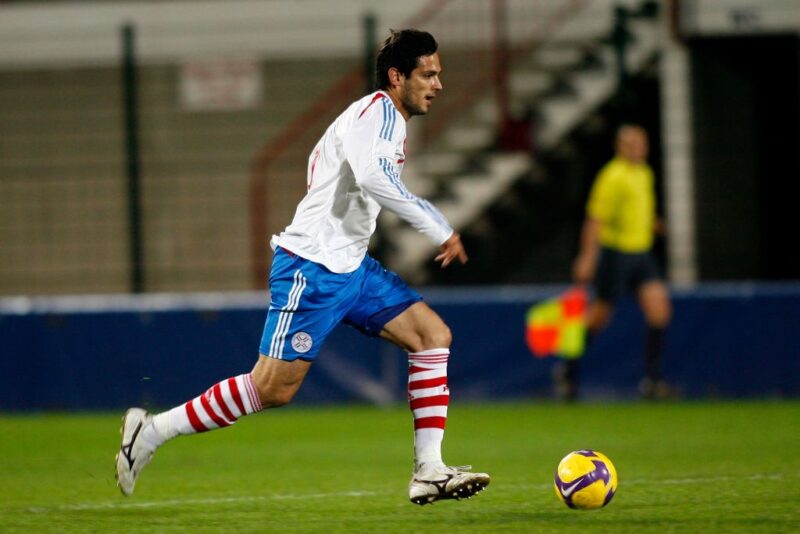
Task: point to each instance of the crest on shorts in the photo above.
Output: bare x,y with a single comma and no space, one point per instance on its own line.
301,342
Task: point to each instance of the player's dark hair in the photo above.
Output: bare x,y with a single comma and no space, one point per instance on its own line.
402,50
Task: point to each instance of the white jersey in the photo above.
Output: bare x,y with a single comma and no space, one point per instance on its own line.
353,171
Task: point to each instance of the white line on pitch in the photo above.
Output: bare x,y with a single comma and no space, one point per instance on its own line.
114,505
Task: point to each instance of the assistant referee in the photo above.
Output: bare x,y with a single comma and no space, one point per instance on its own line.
616,257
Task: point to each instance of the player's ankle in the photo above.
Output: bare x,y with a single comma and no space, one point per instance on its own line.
428,463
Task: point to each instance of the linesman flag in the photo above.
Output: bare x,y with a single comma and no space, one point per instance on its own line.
558,326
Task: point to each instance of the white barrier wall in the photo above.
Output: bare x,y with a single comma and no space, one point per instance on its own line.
739,17
88,32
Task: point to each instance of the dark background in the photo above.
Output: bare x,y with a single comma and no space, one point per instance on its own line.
746,122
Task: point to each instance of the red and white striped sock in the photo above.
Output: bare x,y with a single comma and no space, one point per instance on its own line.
428,397
222,405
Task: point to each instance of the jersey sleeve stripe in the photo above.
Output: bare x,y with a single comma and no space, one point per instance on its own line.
426,206
436,214
393,115
394,179
383,125
389,119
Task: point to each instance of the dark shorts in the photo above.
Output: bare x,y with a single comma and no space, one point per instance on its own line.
619,273
307,301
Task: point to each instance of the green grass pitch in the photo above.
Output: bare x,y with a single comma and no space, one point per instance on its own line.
683,467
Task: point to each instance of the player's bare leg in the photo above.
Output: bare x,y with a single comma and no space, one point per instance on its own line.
566,372
418,328
599,315
271,384
421,332
654,301
277,381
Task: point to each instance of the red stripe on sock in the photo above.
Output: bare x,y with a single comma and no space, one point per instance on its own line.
235,394
428,383
438,400
430,422
211,413
197,424
217,389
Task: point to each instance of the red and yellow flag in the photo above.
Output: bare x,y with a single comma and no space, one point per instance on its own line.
558,326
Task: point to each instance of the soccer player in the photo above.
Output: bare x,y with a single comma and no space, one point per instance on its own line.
322,275
615,254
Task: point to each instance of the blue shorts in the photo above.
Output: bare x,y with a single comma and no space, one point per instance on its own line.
619,273
307,301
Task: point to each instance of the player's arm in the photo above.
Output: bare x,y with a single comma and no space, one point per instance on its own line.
390,192
599,208
373,160
585,265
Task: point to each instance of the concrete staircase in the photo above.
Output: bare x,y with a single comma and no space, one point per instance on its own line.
558,85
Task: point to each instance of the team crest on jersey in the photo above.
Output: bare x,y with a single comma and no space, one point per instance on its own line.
301,342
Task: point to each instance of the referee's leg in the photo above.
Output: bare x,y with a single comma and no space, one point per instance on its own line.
655,304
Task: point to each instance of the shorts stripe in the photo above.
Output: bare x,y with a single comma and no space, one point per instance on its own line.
285,317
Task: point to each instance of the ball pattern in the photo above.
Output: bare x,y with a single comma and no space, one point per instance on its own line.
585,479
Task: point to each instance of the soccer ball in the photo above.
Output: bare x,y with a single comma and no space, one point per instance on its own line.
586,480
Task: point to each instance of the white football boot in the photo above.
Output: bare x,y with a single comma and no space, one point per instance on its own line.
134,453
444,482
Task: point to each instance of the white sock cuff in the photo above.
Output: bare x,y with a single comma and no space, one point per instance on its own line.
429,359
248,394
430,352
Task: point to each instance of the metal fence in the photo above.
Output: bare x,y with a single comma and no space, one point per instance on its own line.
221,167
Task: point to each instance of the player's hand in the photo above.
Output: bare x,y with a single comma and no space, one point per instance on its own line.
583,269
659,227
452,249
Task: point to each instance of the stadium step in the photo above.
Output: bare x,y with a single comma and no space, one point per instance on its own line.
558,85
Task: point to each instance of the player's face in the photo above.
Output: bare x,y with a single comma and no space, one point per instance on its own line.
632,144
422,85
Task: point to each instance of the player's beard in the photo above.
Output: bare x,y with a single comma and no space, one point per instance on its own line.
410,106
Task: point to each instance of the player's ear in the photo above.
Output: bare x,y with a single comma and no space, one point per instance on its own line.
395,76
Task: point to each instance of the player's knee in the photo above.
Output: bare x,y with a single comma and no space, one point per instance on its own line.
274,395
598,318
657,310
436,338
660,316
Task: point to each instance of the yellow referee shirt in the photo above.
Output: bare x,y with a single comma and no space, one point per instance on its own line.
623,200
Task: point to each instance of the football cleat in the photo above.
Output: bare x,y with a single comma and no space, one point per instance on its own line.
444,482
657,390
133,453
